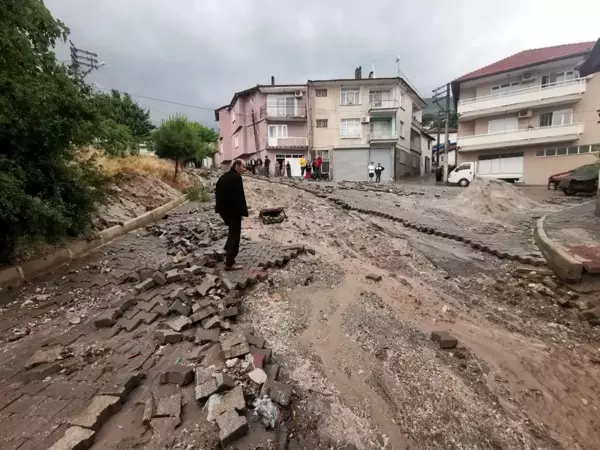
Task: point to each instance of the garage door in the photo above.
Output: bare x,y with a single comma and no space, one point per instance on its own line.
383,156
351,165
507,165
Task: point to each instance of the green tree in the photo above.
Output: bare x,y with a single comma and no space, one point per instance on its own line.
178,138
44,115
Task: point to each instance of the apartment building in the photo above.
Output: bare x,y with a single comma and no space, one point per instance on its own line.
265,120
530,115
360,120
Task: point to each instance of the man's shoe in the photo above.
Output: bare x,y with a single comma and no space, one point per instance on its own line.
233,267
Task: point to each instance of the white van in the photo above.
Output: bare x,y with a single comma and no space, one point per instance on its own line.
464,173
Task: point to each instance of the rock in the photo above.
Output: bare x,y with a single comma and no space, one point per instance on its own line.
148,283
193,270
97,412
202,314
180,308
227,284
373,277
205,286
75,438
258,376
203,336
256,341
550,283
211,322
149,408
279,392
266,352
123,384
213,386
236,351
179,323
169,407
177,374
107,319
159,278
211,406
229,312
173,275
231,427
444,339
231,401
272,371
590,314
168,337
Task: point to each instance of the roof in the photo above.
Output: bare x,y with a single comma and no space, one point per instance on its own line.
592,62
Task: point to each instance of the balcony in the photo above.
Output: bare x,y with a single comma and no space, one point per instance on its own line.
560,93
281,112
383,107
519,138
289,142
382,136
416,124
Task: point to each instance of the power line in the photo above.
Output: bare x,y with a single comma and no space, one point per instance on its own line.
83,62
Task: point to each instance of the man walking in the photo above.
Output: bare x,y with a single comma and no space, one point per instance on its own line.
231,206
378,171
371,170
302,166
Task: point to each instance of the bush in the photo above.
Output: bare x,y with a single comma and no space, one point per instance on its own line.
197,192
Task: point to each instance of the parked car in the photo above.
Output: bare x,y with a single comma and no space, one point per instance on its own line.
582,179
554,180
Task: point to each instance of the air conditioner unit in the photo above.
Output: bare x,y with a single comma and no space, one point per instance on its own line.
528,76
365,119
299,94
525,113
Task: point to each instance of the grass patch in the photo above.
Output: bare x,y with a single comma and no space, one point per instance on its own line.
197,192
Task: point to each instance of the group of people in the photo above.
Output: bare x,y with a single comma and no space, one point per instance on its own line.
308,169
375,172
311,169
258,166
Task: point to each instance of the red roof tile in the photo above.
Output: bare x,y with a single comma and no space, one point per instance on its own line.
530,57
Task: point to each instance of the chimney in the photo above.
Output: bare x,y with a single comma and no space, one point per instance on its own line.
272,81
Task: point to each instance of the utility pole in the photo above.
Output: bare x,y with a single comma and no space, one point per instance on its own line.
83,62
438,94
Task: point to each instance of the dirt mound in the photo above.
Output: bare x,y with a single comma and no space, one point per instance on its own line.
133,195
494,197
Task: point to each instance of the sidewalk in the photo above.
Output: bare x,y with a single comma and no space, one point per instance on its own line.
577,230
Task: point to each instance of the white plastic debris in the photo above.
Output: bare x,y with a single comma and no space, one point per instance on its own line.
267,411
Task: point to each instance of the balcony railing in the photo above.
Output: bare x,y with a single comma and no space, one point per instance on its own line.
289,142
416,123
521,98
384,104
278,111
384,135
514,138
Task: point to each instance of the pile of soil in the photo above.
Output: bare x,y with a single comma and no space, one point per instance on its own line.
132,196
493,197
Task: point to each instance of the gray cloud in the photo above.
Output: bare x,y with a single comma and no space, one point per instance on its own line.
201,51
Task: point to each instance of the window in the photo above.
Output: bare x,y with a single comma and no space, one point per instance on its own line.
322,123
465,166
320,92
584,149
232,116
550,152
572,150
506,87
236,141
545,119
503,125
560,151
350,96
278,131
401,129
553,79
543,152
380,99
562,117
563,77
350,128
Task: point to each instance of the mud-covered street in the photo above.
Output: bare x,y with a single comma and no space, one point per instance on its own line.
350,326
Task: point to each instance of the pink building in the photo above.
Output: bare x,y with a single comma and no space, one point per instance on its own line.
265,120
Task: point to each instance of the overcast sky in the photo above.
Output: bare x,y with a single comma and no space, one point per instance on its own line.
200,52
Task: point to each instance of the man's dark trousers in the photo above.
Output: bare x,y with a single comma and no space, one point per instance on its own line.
232,246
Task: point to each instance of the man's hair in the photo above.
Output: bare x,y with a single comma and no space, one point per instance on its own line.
236,163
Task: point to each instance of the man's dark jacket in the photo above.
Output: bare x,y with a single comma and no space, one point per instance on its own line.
229,191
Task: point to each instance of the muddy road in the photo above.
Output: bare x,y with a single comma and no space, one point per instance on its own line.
525,375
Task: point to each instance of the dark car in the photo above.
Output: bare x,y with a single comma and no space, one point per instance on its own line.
554,180
582,179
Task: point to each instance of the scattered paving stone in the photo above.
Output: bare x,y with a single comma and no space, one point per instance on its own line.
123,385
236,351
159,278
129,324
258,361
258,376
373,277
193,270
272,371
444,339
149,408
147,317
168,337
225,324
149,305
107,319
231,401
203,336
75,438
148,283
163,432
172,276
232,362
256,341
96,412
279,392
216,384
202,314
44,356
232,426
227,284
229,312
177,374
211,322
161,309
261,351
42,372
169,407
180,308
125,302
203,288
179,323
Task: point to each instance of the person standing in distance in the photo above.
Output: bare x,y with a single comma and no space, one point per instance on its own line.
371,170
231,206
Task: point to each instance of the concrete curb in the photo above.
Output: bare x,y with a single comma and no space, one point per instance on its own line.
561,262
13,275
